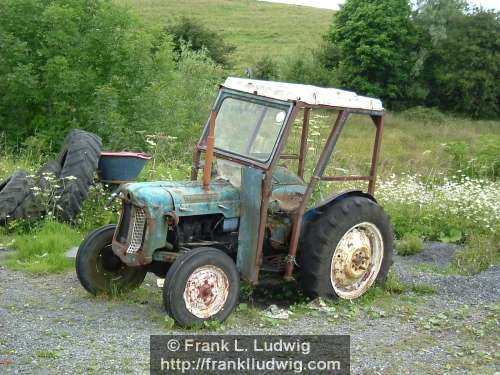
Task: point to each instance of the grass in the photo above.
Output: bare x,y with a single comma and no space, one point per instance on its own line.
478,254
255,28
43,249
410,244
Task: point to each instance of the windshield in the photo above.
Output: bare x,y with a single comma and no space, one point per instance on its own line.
249,129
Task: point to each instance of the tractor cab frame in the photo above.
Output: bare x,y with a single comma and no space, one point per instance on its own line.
293,98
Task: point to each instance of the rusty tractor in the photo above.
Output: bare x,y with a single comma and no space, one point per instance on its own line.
248,214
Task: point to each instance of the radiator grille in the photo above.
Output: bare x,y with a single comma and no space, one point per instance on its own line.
137,227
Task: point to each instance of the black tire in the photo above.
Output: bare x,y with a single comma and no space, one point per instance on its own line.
178,275
51,169
321,236
79,159
17,200
99,270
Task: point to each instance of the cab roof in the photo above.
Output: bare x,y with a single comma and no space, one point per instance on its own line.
308,94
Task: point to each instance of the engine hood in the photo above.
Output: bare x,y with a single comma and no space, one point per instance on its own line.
185,198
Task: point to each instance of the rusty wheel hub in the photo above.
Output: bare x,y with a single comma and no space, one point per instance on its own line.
356,260
206,291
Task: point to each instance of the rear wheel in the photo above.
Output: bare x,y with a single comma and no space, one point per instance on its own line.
346,249
202,284
100,270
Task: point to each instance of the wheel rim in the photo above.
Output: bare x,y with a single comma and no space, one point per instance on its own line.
109,266
356,261
206,291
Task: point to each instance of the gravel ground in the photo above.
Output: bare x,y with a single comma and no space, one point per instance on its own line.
49,324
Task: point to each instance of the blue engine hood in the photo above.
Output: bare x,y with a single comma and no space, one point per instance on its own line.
185,198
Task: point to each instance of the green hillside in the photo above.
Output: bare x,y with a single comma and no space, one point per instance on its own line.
255,28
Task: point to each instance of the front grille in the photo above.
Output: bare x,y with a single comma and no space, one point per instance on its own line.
137,230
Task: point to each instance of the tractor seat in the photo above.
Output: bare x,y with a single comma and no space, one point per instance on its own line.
287,191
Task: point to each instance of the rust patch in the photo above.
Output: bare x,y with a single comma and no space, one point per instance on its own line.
206,291
287,202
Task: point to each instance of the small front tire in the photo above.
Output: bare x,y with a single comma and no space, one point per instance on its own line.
202,284
100,271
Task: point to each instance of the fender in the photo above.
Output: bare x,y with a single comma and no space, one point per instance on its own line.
317,210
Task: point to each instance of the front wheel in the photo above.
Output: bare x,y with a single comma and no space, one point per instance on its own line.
346,249
202,284
99,270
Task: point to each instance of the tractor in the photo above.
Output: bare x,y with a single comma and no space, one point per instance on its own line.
248,213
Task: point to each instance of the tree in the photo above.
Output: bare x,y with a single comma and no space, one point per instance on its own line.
191,32
459,57
75,63
371,46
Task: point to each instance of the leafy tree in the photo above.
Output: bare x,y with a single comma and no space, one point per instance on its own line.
198,37
459,59
74,63
90,64
371,44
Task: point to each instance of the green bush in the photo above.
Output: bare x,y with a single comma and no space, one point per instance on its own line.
306,68
266,68
479,253
425,115
79,63
410,244
75,63
177,109
193,33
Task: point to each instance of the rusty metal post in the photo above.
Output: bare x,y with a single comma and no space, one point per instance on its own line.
303,142
209,156
379,124
316,177
267,190
196,163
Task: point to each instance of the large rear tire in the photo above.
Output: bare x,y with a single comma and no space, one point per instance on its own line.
99,270
48,174
346,249
78,159
17,199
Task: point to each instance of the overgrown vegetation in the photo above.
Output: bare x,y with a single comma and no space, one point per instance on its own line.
93,65
191,32
478,254
410,244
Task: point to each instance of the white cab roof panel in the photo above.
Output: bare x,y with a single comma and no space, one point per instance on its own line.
312,95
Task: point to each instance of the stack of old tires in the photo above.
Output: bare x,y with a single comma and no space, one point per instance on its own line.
74,172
